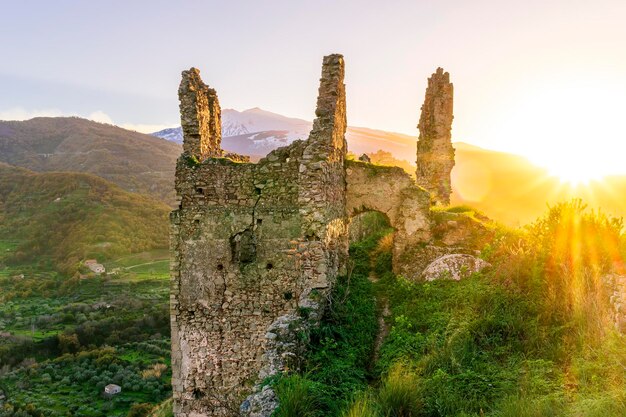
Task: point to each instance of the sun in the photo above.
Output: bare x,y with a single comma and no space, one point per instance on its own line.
573,175
571,126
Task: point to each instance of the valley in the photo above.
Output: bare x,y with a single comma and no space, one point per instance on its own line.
71,335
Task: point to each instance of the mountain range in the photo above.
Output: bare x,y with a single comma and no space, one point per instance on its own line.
505,187
256,132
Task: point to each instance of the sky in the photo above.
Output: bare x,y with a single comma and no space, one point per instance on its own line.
544,79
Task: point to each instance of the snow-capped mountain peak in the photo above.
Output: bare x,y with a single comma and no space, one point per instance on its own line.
256,132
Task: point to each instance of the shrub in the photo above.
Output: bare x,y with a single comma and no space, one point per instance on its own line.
364,405
298,396
140,410
399,394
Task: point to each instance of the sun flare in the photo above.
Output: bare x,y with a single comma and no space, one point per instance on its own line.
573,174
571,127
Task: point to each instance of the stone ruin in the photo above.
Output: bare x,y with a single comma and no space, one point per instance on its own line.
256,248
435,154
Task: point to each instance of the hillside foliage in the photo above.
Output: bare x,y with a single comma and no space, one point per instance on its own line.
134,161
65,218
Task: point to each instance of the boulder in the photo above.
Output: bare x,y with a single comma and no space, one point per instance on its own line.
455,266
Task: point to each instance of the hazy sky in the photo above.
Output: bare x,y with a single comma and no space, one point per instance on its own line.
543,78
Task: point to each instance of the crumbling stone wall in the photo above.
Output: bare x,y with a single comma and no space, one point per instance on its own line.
391,191
256,247
200,117
435,154
253,246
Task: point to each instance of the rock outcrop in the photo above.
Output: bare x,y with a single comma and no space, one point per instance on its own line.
435,154
455,267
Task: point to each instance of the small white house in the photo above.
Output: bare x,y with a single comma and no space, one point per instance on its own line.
97,268
94,266
112,389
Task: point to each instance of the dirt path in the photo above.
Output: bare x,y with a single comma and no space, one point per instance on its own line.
146,263
383,326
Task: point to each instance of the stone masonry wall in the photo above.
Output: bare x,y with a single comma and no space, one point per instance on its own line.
256,247
435,154
252,244
200,116
391,191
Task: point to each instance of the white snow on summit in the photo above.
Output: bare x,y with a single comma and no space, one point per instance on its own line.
256,132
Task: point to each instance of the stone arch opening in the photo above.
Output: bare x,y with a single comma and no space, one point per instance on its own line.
392,192
367,222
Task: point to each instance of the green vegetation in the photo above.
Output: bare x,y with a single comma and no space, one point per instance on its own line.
64,218
73,384
340,349
134,161
60,329
62,338
140,266
531,337
163,410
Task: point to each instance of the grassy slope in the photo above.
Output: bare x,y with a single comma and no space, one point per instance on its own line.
523,339
69,217
134,161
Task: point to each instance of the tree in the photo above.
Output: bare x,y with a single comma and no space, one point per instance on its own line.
140,410
68,343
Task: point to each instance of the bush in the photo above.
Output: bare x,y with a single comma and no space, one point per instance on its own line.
299,397
140,410
364,405
399,394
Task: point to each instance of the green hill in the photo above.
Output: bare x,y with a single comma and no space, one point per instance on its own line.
134,161
67,217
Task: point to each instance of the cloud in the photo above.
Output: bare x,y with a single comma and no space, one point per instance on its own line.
19,113
100,117
145,128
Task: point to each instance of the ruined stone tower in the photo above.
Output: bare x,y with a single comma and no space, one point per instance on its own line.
200,117
253,245
435,154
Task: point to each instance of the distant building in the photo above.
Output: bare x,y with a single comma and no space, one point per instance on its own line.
112,389
97,268
94,266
